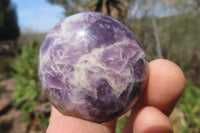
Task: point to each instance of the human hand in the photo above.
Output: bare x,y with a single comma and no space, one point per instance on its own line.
165,85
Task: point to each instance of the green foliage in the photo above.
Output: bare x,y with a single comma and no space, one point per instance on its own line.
25,70
120,125
5,67
179,36
45,121
187,68
26,118
190,105
179,33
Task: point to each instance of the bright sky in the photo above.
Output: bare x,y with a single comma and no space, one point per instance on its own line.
37,15
41,16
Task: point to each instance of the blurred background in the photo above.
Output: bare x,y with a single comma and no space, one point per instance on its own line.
167,29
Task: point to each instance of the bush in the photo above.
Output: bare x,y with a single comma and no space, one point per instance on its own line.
5,68
190,105
25,70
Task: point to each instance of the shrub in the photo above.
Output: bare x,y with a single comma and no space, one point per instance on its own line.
190,105
25,70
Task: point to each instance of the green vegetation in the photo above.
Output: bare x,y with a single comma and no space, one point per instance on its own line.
5,68
120,125
190,105
44,121
25,70
179,36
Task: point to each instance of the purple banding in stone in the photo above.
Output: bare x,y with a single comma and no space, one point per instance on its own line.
92,67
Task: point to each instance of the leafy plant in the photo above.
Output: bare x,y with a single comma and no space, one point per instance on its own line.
25,70
44,121
5,67
120,125
190,105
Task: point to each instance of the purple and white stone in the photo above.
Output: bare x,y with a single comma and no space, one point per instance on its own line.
92,67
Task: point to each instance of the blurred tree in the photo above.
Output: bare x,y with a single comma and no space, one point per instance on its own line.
194,69
184,6
146,11
155,29
70,6
175,23
115,8
9,29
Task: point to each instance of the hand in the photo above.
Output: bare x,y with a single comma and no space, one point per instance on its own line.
165,85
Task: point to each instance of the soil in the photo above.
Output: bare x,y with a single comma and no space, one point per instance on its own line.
13,121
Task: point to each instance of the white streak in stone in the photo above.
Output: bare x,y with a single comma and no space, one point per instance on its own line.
91,61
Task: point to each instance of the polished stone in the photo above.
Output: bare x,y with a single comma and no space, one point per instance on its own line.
92,67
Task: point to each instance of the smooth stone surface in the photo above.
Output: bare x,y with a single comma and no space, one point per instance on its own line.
92,67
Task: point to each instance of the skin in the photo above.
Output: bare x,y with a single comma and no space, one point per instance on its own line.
165,85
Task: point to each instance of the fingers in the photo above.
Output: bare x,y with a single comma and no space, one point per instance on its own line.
68,124
55,114
111,125
151,120
165,84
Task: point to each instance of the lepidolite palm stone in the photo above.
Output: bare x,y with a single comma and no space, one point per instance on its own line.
92,67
